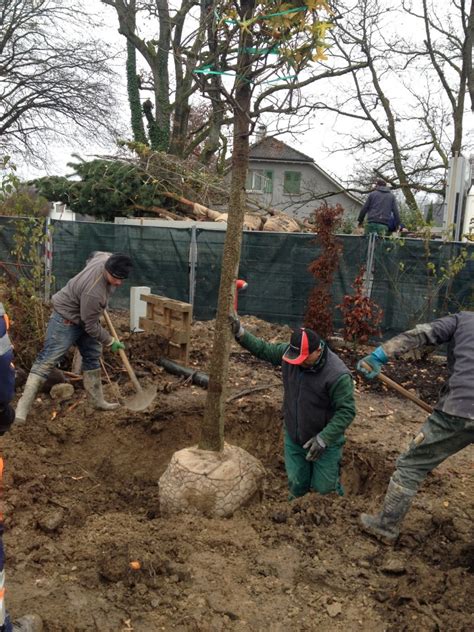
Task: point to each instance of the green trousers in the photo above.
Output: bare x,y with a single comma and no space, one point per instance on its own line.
373,227
321,476
440,436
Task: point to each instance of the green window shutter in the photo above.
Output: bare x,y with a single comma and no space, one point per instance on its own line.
292,182
268,182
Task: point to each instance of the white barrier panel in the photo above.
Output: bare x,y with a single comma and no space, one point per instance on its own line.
137,306
468,227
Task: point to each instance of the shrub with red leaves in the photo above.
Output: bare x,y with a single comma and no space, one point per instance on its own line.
319,312
362,316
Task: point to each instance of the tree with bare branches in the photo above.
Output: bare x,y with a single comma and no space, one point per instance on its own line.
170,58
54,82
407,104
447,50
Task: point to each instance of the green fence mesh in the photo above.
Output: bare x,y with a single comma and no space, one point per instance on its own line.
275,265
412,280
160,255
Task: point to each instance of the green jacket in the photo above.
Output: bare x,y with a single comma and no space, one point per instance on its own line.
307,390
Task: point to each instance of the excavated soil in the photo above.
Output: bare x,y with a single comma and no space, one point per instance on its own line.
81,504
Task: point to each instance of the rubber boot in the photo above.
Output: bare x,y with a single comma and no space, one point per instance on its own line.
28,623
32,386
386,524
93,387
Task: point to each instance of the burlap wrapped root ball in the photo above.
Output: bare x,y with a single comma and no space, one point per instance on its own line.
210,483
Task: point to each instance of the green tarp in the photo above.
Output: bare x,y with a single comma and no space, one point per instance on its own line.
160,255
412,281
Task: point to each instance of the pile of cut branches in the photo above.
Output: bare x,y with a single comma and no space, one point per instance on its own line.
151,183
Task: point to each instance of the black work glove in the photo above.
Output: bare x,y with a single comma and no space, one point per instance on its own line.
315,447
236,327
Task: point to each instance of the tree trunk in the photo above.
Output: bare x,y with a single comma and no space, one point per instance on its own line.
160,135
464,77
215,124
184,81
161,79
214,92
212,430
469,43
136,114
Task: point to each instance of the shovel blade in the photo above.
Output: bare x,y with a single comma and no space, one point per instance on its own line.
141,400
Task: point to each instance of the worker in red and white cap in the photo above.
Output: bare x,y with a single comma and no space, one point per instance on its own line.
318,406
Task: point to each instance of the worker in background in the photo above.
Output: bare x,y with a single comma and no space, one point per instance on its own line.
381,209
447,430
75,320
318,406
29,622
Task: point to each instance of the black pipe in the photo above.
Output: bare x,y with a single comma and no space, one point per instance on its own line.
197,377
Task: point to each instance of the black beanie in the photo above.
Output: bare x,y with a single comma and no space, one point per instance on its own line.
119,265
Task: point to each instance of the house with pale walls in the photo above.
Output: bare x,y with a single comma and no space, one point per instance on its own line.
284,178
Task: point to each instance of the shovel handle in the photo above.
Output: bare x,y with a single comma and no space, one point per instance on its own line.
403,391
123,355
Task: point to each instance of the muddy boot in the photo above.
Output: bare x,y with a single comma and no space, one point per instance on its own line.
386,524
28,623
93,387
32,386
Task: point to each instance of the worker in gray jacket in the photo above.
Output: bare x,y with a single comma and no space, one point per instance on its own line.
447,430
381,209
75,320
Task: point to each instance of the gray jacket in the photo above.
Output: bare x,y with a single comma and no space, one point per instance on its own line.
84,297
379,207
457,395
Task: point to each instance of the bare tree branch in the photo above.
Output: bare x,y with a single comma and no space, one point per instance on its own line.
53,83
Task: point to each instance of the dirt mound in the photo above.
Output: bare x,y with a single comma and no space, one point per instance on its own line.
88,549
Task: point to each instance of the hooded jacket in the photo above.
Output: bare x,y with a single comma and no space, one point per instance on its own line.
379,207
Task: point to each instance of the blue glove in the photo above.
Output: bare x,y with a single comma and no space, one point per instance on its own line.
375,360
315,447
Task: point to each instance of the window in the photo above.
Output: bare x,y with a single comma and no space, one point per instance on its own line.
259,180
292,182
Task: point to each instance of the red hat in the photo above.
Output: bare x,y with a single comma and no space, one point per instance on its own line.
303,342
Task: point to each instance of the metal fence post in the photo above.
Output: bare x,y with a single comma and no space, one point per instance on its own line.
192,263
48,260
370,267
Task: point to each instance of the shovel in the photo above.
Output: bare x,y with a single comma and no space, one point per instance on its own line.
143,397
403,391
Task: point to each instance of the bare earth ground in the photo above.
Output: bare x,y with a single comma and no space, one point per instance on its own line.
81,503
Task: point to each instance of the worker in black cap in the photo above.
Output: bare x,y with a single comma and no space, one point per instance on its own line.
75,320
318,406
